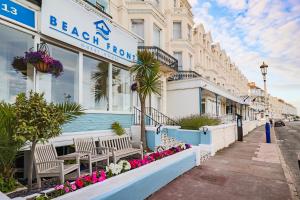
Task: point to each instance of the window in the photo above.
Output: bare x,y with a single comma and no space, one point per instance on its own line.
101,4
176,30
156,35
175,3
137,26
191,62
120,89
189,33
178,56
13,43
65,87
95,84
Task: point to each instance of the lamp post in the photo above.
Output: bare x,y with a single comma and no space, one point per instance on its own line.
264,69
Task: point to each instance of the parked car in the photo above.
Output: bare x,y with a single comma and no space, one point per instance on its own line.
279,123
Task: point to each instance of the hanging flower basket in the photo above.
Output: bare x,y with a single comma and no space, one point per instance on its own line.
42,67
134,87
20,65
41,61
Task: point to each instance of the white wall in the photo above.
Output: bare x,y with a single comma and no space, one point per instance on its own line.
224,135
183,102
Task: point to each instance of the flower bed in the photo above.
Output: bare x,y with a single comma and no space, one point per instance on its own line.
111,170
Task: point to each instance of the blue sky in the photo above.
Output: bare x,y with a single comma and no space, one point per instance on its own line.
253,31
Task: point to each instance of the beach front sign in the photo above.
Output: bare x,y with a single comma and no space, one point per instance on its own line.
71,23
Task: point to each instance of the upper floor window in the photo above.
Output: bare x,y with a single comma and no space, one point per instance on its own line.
101,4
189,33
178,56
176,30
175,3
191,62
137,26
156,35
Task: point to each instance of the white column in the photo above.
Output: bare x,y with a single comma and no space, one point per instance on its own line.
80,78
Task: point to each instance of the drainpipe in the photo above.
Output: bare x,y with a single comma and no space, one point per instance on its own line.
200,101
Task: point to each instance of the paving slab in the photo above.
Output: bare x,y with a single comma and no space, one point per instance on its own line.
249,170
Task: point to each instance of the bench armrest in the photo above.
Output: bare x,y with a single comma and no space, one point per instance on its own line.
137,144
105,149
52,161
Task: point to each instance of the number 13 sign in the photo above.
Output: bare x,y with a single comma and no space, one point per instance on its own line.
15,12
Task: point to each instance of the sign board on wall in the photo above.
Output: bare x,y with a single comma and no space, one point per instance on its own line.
17,13
71,23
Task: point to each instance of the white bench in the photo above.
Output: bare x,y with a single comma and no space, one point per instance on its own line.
93,154
121,146
48,164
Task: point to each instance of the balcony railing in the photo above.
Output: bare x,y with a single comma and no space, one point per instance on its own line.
162,56
183,75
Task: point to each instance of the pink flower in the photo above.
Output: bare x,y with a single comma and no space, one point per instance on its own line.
73,186
60,187
67,189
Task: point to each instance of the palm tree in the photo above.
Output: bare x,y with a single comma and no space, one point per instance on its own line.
146,73
9,146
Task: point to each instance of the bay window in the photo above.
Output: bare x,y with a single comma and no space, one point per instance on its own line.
156,35
63,88
137,26
95,84
14,43
176,30
120,89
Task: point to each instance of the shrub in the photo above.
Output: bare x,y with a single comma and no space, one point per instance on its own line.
8,184
118,129
194,122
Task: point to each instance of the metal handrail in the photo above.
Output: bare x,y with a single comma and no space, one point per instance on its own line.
148,119
183,75
162,56
160,117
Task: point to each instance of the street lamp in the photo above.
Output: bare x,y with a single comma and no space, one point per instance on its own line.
264,69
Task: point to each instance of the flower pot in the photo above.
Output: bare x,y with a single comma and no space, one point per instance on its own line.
42,67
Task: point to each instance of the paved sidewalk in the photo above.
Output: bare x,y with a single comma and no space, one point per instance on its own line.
246,170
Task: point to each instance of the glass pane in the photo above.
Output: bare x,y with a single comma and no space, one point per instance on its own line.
95,84
121,89
156,36
65,87
13,43
176,30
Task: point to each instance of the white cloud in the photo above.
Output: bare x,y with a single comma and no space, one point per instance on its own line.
265,32
233,4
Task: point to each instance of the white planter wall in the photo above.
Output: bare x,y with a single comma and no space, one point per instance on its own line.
224,135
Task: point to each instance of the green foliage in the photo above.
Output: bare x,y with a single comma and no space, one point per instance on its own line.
118,129
37,120
9,146
8,184
42,197
194,122
146,73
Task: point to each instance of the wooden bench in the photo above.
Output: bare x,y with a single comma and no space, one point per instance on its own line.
48,164
94,154
121,146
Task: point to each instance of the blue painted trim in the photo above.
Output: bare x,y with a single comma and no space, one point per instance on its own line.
90,44
143,187
17,12
97,121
